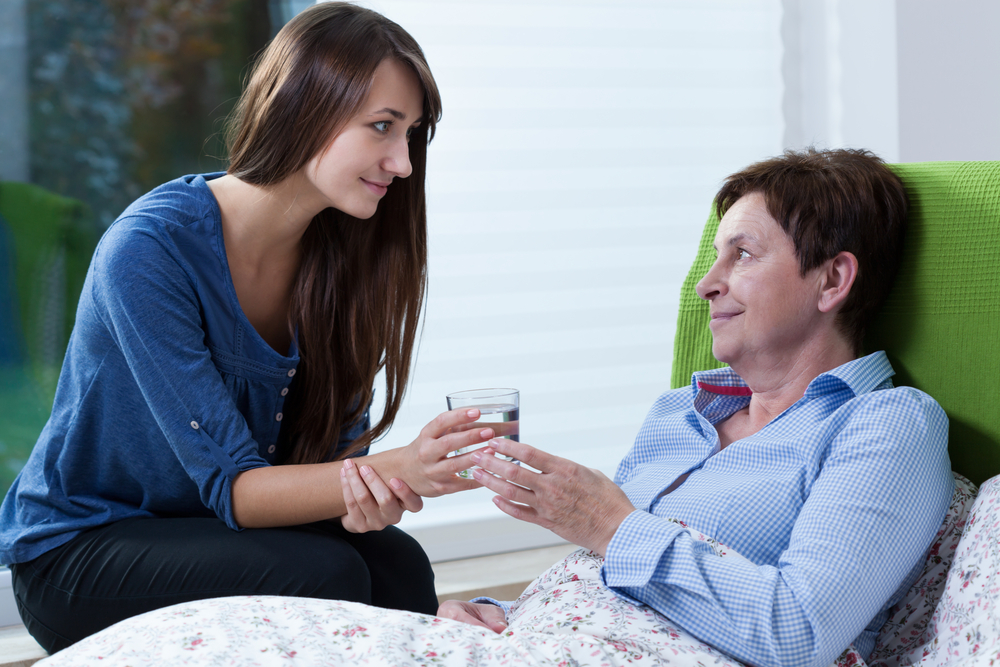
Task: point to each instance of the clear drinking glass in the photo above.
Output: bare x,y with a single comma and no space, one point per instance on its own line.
499,409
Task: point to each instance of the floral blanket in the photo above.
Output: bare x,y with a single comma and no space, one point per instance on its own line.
566,617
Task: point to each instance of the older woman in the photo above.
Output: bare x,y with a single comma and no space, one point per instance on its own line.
824,483
801,455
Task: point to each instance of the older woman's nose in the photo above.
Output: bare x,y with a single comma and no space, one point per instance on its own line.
711,285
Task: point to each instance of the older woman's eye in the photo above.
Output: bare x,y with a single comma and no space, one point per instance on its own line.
382,126
742,254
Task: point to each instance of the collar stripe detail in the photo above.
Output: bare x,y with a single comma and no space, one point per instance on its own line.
725,391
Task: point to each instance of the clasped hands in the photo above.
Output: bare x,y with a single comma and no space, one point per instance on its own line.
424,464
577,503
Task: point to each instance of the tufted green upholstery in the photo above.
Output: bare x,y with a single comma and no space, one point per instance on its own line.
941,323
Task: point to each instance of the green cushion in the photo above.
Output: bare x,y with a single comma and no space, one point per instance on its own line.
941,323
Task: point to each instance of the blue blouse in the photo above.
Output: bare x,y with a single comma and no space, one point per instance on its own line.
167,391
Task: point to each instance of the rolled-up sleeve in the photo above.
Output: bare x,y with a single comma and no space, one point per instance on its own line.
149,304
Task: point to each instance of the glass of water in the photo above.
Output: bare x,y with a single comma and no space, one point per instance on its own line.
499,409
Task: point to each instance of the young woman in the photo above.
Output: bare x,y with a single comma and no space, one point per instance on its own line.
210,429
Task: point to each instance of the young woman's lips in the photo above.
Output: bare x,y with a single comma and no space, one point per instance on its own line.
376,188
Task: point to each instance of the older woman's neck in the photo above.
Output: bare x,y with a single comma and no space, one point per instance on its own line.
779,382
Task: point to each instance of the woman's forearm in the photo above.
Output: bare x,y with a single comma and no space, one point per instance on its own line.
291,495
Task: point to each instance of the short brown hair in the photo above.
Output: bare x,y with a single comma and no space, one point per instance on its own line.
828,202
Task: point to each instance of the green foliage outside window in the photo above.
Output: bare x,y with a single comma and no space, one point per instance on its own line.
123,95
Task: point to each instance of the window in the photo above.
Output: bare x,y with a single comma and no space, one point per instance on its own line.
573,170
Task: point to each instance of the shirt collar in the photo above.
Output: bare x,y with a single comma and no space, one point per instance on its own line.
859,375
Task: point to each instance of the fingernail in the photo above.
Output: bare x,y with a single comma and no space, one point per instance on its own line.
395,483
365,470
495,442
348,463
477,457
343,472
486,433
472,413
477,474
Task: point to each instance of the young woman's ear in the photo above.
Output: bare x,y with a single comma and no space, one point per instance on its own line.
838,277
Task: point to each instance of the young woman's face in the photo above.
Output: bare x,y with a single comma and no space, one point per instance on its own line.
355,169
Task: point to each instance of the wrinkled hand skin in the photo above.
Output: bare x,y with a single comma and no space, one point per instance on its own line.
487,616
579,504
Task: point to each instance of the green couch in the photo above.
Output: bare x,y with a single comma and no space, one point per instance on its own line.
940,325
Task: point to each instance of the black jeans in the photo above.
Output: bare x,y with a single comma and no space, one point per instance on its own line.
127,568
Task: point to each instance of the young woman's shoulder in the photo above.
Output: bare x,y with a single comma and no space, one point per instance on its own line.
176,204
167,220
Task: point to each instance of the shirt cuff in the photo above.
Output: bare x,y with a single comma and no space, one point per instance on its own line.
503,605
635,551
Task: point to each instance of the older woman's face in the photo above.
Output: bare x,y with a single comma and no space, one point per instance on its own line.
761,306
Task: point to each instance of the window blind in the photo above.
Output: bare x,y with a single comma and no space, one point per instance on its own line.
567,187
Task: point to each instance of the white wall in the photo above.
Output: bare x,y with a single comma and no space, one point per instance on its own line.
840,72
912,80
949,79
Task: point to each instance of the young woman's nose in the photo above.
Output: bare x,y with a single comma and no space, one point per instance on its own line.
711,284
397,162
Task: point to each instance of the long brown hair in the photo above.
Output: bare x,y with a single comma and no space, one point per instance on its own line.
359,291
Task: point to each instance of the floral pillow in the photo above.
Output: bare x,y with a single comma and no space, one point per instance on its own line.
909,624
963,627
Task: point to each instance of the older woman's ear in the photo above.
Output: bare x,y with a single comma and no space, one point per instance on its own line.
837,278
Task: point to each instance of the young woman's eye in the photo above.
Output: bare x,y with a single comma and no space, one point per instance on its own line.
409,131
382,126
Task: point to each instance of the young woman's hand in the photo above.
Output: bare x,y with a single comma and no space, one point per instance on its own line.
487,616
371,505
425,463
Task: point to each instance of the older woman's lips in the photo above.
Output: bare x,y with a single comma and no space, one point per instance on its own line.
722,317
376,188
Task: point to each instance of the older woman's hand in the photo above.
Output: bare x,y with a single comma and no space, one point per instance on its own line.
484,615
577,503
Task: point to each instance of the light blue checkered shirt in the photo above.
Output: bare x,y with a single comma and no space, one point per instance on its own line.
835,502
